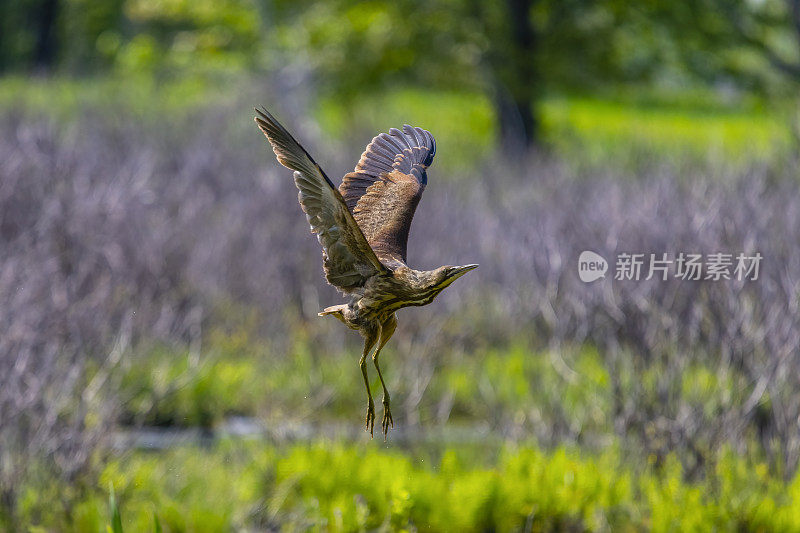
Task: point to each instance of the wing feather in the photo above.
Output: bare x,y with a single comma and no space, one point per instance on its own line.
384,189
348,260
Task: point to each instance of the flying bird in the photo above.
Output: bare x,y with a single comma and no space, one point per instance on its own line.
363,229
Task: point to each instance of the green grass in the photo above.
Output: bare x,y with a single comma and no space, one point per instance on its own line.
568,396
517,386
604,130
591,131
565,395
338,487
238,375
463,123
600,482
145,97
622,131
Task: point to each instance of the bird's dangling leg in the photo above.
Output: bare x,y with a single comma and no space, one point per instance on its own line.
370,337
386,332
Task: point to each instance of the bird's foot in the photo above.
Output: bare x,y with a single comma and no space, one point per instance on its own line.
370,418
387,418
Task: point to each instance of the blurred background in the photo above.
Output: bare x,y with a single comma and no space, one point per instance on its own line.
159,287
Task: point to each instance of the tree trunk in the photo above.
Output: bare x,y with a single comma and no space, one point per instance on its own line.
516,85
518,125
45,51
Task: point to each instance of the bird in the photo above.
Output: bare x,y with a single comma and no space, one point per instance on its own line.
363,227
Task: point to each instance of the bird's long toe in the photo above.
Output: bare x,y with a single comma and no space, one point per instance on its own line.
387,420
370,418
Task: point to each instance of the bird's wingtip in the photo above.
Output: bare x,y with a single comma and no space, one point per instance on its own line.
263,114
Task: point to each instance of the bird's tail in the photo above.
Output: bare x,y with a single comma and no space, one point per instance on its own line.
335,310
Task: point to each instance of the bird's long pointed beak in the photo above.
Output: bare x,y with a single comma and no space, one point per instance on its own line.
460,271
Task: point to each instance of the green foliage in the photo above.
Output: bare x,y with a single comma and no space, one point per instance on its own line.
238,375
62,100
603,131
190,489
588,131
573,391
116,518
379,488
574,394
532,389
462,122
336,485
178,34
618,132
355,49
346,487
181,390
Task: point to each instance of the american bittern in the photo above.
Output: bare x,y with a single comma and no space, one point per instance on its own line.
363,229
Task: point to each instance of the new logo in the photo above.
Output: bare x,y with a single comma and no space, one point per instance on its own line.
591,266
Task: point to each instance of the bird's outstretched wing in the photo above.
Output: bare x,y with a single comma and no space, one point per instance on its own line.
348,259
384,189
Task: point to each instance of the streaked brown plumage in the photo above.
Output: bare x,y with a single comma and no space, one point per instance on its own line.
363,229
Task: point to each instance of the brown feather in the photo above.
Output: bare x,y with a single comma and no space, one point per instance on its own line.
384,214
348,259
384,189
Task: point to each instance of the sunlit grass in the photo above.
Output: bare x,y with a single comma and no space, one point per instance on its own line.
64,98
531,390
604,130
463,123
583,130
348,487
518,394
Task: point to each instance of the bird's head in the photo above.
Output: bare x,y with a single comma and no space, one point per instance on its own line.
445,275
